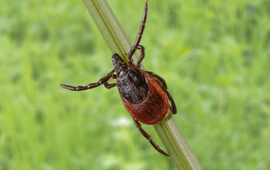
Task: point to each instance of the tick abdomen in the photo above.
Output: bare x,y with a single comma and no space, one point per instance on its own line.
133,86
153,108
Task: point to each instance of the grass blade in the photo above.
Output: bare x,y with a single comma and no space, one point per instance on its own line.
168,131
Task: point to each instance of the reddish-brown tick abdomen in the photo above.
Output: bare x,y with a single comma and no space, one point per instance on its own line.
154,107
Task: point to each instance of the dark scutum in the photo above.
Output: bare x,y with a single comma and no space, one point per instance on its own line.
133,86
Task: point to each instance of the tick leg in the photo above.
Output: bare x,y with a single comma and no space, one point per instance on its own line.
90,86
160,79
163,85
173,108
148,137
139,36
142,49
108,86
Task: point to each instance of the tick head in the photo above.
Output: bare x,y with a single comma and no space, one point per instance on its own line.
119,64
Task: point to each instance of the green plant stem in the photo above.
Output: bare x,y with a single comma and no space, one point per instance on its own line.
109,27
175,143
168,131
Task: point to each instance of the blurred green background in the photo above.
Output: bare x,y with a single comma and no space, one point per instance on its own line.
214,55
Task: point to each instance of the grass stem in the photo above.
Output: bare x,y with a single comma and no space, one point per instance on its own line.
168,131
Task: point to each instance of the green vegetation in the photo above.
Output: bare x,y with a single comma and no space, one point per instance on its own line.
167,129
214,56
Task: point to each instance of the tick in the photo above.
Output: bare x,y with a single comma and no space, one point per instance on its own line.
143,93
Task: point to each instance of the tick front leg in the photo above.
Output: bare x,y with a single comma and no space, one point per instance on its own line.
92,85
148,137
142,49
139,36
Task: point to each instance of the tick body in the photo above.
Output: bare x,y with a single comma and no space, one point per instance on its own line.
143,93
142,96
